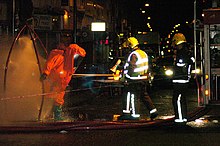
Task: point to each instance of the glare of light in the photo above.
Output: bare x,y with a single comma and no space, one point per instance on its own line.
143,12
166,117
203,14
76,56
89,4
151,29
54,19
199,121
152,77
196,71
206,77
147,5
169,72
65,16
148,18
206,92
121,34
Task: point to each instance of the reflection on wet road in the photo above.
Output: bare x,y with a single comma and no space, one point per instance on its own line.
101,107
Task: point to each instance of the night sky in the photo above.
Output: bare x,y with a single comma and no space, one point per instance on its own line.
165,14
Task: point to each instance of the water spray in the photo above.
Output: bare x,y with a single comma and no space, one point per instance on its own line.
33,38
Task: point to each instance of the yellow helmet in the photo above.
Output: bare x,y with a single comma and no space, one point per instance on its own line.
178,38
132,42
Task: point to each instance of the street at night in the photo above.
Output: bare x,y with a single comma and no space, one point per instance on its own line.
109,73
101,108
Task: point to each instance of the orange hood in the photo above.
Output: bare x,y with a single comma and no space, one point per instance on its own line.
69,54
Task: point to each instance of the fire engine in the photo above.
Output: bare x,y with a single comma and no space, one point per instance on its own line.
209,40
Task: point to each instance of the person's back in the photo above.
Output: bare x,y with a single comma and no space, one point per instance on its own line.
181,78
183,63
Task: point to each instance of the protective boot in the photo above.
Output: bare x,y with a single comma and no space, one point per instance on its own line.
153,114
57,111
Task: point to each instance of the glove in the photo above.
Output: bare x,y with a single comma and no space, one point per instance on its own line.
43,77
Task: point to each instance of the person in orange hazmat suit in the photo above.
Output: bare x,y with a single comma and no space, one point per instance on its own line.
59,68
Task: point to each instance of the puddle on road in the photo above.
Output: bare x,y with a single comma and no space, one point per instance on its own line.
205,121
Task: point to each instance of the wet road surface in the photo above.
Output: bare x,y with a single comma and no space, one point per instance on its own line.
102,107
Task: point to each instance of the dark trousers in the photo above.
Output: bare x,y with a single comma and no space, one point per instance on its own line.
139,89
179,100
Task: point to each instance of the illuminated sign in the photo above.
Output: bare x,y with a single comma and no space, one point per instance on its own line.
98,26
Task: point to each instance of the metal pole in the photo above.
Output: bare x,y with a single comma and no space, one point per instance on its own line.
13,18
195,43
74,21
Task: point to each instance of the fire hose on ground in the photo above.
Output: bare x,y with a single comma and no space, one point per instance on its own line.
92,125
96,125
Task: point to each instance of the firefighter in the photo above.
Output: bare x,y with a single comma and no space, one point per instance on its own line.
183,61
135,78
59,68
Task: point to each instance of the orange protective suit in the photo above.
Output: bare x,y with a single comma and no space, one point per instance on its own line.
59,69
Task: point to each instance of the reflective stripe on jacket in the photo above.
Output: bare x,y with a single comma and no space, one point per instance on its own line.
136,66
182,67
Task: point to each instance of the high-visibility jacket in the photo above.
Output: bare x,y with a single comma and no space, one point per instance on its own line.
136,66
59,67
